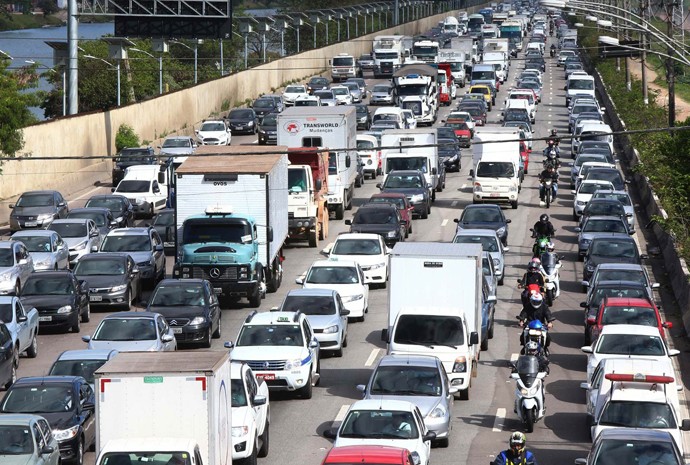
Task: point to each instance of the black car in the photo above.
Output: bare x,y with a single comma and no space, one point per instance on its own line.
130,157
449,153
120,206
61,300
610,249
414,186
263,106
9,359
67,402
485,216
242,120
164,224
363,116
191,309
113,279
103,217
37,209
317,83
379,218
535,63
268,129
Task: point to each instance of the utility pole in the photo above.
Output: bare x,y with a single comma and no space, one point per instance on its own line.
643,57
670,70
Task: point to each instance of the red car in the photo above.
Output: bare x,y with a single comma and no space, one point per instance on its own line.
624,310
461,130
369,454
402,202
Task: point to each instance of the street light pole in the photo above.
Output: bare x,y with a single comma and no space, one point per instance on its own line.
196,55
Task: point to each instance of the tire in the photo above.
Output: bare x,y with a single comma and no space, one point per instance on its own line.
549,298
547,199
318,371
79,460
13,373
306,391
442,443
588,338
85,318
349,201
128,300
339,212
490,331
425,215
313,239
206,344
500,281
76,327
265,436
251,460
218,332
32,350
17,288
514,205
255,298
464,394
529,421
339,353
575,217
484,344
358,182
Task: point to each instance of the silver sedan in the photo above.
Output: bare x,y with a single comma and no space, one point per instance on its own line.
46,247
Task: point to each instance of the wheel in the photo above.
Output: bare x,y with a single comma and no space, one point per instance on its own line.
251,460
485,344
13,373
549,298
530,419
442,443
514,205
313,239
349,200
255,298
217,332
32,350
17,288
339,212
425,215
339,352
263,450
358,181
86,317
490,331
206,344
547,199
464,394
76,327
79,458
306,391
318,371
588,338
128,300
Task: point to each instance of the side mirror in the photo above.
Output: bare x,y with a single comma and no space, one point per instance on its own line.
667,325
509,221
11,206
589,350
384,335
299,280
348,222
259,400
474,338
583,304
344,312
348,161
584,283
228,345
86,338
362,388
112,189
330,433
379,185
577,229
655,286
22,319
429,436
113,224
94,248
167,338
685,425
585,386
514,376
313,345
47,450
673,352
319,184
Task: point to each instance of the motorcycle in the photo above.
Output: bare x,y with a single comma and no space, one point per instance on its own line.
540,244
548,191
552,53
533,334
529,391
528,291
550,264
551,160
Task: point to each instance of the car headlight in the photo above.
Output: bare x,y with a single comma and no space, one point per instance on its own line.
290,364
80,246
65,434
581,203
391,234
438,412
146,263
7,276
585,241
46,262
417,198
496,261
331,329
119,288
45,216
590,267
239,431
500,231
251,123
139,200
460,365
376,266
198,320
352,298
65,309
513,189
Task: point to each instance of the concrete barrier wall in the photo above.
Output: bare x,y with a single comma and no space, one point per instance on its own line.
179,112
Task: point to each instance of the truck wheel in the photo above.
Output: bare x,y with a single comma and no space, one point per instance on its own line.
340,212
313,239
32,351
274,277
348,198
306,391
263,451
485,344
255,298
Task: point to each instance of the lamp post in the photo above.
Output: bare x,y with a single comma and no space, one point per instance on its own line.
64,76
160,67
117,67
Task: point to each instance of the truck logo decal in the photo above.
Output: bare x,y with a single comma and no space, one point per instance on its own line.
267,364
293,127
433,264
214,273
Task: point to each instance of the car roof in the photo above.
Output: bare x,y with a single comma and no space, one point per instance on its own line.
101,255
169,281
334,263
87,354
71,220
377,206
33,232
628,301
355,236
40,192
636,434
132,315
605,217
90,209
406,172
631,329
620,266
409,360
313,292
617,236
49,379
273,318
386,404
125,231
476,232
17,418
50,274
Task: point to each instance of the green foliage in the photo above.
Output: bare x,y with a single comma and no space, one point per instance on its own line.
14,107
126,137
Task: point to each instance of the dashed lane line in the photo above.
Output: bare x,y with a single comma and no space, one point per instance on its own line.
372,357
499,420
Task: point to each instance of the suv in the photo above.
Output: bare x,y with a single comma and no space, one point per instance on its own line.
130,157
282,350
214,132
16,265
145,247
37,209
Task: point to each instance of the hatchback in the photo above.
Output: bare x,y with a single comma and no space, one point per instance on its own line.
317,83
610,249
145,247
46,248
368,250
401,202
82,363
164,224
103,217
595,226
16,265
81,235
268,129
120,206
379,218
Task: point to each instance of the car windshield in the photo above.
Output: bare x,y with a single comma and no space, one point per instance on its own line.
591,187
399,202
515,114
178,296
483,75
379,424
402,182
580,84
629,315
126,329
495,170
241,114
309,304
100,266
637,414
114,205
83,368
627,292
596,225
611,248
582,159
164,219
529,84
176,143
97,217
343,61
406,380
132,186
126,243
577,109
270,335
341,91
295,90
356,247
459,125
324,95
622,198
361,111
35,200
41,398
622,275
365,145
630,344
48,286
614,451
35,243
15,440
426,330
604,208
375,216
332,275
270,120
481,215
488,243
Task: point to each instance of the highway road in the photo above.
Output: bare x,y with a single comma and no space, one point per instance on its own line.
481,425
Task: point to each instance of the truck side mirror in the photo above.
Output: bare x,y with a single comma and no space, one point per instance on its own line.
384,335
161,177
269,233
434,171
319,184
474,338
348,161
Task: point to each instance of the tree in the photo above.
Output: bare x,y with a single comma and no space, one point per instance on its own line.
14,107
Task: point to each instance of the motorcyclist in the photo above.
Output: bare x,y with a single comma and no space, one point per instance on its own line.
537,310
532,348
553,50
543,227
549,173
532,276
550,249
553,137
516,454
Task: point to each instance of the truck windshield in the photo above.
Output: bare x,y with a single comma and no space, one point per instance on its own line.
343,61
118,458
456,67
297,180
407,163
411,89
495,170
427,330
270,335
636,414
133,186
424,51
386,55
221,231
483,75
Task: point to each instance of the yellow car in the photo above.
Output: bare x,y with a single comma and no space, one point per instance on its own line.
485,91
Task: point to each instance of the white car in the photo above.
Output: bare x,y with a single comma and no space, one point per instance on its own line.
250,413
385,422
81,235
344,276
368,250
292,93
308,101
342,95
526,95
584,193
624,341
214,132
281,349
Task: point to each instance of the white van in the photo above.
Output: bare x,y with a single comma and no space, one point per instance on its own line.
497,177
578,84
390,114
147,188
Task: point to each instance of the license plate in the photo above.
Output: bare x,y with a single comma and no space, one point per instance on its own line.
30,224
218,290
266,376
177,330
45,318
494,194
96,298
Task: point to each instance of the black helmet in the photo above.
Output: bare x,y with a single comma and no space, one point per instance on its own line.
554,132
544,218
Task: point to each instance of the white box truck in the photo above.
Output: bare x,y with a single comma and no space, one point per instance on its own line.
231,219
445,323
496,167
151,406
456,60
334,128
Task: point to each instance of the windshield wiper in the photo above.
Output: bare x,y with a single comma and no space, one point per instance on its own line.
416,343
444,344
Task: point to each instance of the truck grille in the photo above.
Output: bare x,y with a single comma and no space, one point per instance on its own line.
267,365
224,273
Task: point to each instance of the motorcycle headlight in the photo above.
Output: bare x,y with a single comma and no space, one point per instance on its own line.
460,365
239,431
65,309
119,288
197,320
438,412
290,364
80,246
65,434
331,329
353,298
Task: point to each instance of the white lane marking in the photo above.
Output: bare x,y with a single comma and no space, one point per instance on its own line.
372,357
498,422
84,194
444,222
514,357
455,202
341,413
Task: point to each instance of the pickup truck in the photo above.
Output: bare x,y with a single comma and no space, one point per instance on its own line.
22,324
250,414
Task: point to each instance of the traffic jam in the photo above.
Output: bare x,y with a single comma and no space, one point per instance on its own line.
438,260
